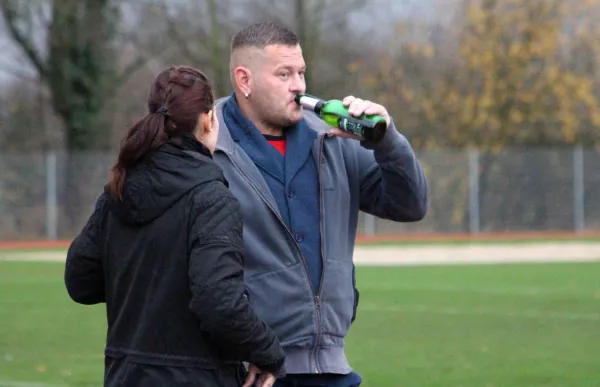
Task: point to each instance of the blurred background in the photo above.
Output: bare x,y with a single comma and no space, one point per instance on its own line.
499,98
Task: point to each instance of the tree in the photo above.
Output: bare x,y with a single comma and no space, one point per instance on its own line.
514,82
77,60
508,73
201,32
323,29
71,45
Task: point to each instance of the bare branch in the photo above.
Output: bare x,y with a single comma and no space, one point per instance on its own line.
181,42
44,15
17,73
131,68
11,18
335,16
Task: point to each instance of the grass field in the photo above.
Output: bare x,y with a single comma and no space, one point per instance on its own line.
518,325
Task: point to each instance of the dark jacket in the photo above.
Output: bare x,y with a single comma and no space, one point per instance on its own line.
168,262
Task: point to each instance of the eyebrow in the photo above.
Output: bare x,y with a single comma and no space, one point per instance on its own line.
290,68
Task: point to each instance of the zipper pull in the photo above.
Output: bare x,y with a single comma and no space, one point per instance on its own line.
318,302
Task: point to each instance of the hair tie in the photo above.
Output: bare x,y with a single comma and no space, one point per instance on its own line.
163,111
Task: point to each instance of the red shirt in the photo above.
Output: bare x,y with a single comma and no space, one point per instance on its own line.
277,141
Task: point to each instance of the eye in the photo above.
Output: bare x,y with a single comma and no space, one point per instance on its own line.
284,75
301,73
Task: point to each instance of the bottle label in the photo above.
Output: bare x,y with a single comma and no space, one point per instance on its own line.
350,126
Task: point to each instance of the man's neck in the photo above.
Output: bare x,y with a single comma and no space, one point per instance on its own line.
262,127
267,130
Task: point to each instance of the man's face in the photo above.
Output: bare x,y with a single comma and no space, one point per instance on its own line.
278,78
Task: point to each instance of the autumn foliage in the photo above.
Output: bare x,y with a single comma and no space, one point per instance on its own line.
505,72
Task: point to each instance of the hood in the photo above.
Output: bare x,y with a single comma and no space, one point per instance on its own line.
160,180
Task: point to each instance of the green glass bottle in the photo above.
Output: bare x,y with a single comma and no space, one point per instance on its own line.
370,127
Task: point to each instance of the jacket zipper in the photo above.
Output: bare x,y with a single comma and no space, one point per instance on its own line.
264,199
318,296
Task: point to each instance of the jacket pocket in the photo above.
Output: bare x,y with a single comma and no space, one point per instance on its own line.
283,300
338,301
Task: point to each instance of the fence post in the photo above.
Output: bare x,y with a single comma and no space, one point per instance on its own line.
474,217
578,190
369,224
51,197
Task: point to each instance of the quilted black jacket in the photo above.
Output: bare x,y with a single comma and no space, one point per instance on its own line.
168,262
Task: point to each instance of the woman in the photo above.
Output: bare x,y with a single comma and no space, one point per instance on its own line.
163,249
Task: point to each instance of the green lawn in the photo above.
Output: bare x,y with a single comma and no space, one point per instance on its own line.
467,326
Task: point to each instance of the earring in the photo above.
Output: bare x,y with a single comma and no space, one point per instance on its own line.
246,95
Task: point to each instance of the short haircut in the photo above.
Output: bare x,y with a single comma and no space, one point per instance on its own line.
263,34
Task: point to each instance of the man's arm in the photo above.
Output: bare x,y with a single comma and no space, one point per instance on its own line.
84,275
392,183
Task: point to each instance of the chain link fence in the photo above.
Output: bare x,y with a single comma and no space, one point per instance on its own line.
50,196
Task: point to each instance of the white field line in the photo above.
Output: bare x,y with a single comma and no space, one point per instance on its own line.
428,255
480,254
38,256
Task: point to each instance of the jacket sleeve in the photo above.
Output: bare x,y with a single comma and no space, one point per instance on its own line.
392,183
84,275
218,292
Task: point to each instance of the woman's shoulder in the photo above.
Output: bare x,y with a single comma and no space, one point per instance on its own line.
212,193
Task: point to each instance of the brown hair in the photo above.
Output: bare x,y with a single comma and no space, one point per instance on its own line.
177,97
263,34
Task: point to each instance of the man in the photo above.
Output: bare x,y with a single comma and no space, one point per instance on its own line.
301,185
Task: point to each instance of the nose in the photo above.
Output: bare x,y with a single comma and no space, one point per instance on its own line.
298,84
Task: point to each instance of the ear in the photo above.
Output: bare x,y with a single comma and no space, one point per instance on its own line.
207,121
202,126
243,79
